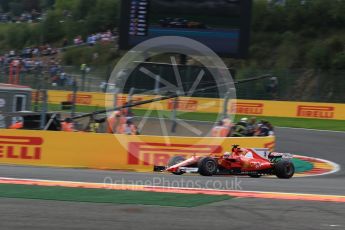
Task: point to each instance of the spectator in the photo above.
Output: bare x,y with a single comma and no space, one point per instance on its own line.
220,130
265,129
91,40
128,128
112,121
65,42
272,87
69,80
63,79
78,40
252,126
12,53
16,125
103,86
240,129
2,61
133,128
271,129
228,124
36,52
67,125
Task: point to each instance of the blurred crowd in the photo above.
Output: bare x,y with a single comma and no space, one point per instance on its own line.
28,53
119,122
244,128
58,77
92,39
33,16
35,60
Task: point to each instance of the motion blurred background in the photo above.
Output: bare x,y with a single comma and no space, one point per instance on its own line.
301,42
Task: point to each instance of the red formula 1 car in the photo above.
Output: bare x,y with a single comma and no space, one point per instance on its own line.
240,161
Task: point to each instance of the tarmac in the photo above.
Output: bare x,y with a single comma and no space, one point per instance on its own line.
238,213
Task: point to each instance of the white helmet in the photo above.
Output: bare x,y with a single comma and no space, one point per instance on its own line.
244,119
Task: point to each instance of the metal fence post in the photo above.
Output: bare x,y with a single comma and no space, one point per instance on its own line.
89,84
83,68
74,97
174,114
44,109
116,91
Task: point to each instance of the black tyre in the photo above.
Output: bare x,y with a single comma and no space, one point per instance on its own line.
207,166
284,169
175,160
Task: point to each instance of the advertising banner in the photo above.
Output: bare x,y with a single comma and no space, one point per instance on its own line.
214,105
107,151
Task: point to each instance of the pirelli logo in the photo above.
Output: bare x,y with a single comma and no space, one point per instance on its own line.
140,153
326,112
122,100
184,105
83,99
247,108
14,147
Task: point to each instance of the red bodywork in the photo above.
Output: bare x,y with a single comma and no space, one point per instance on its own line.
245,163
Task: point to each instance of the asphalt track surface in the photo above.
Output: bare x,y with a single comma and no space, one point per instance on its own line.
241,213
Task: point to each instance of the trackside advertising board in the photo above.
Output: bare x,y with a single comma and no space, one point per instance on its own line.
331,111
107,151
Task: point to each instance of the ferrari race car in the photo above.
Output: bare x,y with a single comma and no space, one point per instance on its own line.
240,161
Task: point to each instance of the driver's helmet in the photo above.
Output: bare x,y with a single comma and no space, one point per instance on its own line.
235,148
227,155
244,119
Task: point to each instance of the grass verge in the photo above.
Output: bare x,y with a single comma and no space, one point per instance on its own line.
107,196
322,124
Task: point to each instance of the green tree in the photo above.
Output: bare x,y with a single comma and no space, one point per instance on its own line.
339,61
29,5
319,56
46,4
61,5
18,36
5,5
103,16
52,28
16,8
82,8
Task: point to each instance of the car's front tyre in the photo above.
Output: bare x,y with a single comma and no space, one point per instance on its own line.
175,160
207,166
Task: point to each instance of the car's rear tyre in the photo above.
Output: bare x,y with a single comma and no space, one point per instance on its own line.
207,166
175,160
284,169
